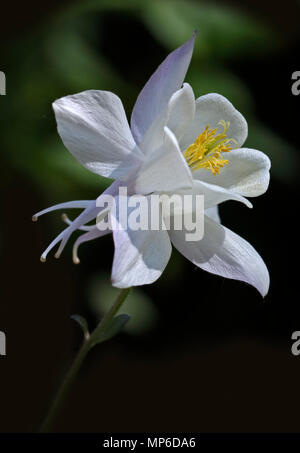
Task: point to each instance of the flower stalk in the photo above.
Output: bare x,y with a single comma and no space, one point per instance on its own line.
90,340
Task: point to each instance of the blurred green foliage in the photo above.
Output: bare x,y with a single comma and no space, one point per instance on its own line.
62,57
142,312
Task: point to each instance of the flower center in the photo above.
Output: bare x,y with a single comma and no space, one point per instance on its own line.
206,151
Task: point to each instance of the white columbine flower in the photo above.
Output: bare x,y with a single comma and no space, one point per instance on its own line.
175,144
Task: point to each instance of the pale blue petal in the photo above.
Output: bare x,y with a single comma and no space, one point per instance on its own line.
155,95
224,253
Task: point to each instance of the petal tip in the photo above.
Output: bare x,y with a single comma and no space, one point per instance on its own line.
265,291
264,285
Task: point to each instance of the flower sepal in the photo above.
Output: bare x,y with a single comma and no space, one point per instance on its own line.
111,330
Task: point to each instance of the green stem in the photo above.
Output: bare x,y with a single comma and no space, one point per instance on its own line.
73,371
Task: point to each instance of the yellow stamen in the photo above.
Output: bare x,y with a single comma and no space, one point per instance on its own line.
206,150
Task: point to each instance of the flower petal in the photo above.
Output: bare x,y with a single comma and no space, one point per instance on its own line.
153,98
181,110
210,109
224,253
214,195
94,128
247,172
140,256
165,170
213,213
177,115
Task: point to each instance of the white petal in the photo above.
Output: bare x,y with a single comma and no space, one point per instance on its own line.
140,256
247,172
177,115
214,195
210,109
94,128
167,79
181,111
224,253
213,213
165,170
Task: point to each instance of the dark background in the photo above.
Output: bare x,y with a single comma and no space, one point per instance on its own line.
205,354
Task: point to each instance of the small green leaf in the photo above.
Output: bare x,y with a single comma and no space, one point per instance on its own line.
83,324
114,327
